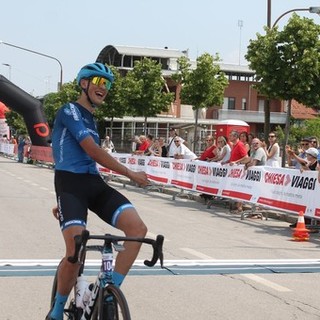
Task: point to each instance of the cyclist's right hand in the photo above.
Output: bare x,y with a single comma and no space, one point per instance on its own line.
139,177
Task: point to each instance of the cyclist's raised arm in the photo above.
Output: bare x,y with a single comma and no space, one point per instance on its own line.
107,161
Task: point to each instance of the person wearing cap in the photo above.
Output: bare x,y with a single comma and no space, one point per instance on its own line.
310,161
312,157
79,186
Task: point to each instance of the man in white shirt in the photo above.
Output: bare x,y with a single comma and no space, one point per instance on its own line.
258,156
180,151
171,144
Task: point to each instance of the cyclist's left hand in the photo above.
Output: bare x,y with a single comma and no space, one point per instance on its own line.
55,212
139,177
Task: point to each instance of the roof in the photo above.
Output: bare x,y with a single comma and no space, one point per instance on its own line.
234,68
148,52
300,111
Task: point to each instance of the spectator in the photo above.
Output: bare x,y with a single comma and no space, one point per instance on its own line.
21,144
313,142
273,151
181,151
258,155
135,144
295,161
224,150
150,143
311,163
108,145
209,152
164,150
144,145
244,138
171,145
155,149
239,152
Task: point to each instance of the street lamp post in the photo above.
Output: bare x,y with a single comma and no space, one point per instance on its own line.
40,54
9,66
288,116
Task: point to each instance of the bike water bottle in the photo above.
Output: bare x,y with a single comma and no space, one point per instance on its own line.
81,286
87,294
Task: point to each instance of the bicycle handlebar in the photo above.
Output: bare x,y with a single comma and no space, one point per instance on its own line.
81,242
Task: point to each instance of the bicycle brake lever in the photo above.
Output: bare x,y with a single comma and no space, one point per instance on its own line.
157,252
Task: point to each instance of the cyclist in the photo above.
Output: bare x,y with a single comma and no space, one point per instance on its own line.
78,185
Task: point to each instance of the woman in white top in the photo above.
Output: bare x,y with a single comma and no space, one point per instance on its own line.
273,152
224,150
108,145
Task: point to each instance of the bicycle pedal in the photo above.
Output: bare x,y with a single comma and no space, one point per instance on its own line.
118,247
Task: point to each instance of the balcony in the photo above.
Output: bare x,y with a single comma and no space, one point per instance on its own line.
252,116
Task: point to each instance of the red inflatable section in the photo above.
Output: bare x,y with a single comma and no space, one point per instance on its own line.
3,110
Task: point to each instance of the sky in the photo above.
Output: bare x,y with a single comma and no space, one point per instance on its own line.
75,31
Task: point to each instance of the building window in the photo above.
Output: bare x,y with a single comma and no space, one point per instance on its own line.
261,105
231,103
244,104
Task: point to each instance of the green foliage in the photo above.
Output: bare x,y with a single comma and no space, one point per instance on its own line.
16,122
142,90
53,101
287,63
113,105
203,86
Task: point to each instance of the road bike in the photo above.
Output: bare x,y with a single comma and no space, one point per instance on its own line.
104,300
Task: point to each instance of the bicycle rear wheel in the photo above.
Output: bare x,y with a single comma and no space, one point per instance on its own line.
112,305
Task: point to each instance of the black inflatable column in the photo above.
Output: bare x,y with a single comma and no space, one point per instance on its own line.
30,108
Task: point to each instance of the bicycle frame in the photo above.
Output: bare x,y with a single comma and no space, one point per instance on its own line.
103,279
105,275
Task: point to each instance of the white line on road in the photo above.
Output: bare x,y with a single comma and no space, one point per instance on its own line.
266,282
197,253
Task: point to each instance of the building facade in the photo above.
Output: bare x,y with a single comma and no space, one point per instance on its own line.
241,99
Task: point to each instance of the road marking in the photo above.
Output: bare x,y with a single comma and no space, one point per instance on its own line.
197,253
266,283
246,268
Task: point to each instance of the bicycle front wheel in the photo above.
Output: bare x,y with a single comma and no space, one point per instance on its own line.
112,305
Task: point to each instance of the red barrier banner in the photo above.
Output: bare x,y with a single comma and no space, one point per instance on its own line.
41,154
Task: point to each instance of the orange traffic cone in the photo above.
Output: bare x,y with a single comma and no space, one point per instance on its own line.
300,233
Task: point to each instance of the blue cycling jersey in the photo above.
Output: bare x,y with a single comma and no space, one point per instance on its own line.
73,123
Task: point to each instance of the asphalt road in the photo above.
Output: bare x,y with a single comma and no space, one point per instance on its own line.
222,267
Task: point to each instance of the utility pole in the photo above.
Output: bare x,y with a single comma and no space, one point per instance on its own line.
267,102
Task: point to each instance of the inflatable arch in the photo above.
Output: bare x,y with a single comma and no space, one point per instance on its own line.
30,108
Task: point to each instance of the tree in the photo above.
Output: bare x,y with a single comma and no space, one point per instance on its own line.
287,64
53,101
16,122
143,90
203,86
113,105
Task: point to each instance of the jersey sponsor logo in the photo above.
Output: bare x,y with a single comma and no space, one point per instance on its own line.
73,112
